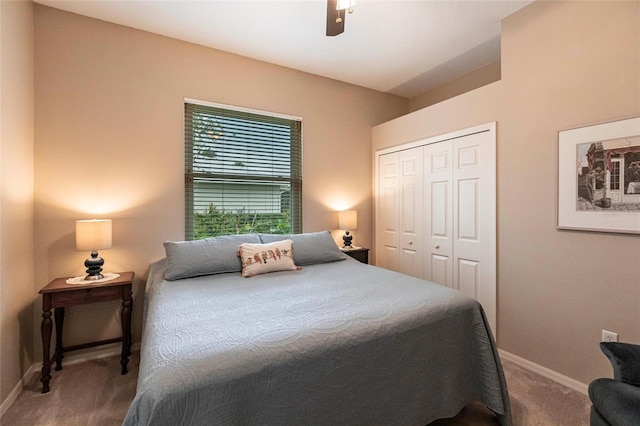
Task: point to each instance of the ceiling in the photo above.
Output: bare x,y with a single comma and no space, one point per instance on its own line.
394,46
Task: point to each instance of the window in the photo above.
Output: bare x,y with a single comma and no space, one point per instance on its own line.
243,172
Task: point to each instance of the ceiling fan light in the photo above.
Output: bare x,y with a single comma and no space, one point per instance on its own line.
346,4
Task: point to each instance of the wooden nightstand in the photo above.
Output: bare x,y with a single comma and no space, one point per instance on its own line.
359,254
58,294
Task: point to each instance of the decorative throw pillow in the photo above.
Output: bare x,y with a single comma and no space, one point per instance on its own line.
263,258
209,256
310,248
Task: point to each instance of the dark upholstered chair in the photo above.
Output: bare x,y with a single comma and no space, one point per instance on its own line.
616,402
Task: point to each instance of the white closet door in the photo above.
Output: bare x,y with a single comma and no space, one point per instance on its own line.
452,206
411,212
474,219
438,207
388,218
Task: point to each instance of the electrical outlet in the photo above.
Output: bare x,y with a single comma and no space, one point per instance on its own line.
609,336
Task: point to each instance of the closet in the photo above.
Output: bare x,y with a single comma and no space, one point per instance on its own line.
435,211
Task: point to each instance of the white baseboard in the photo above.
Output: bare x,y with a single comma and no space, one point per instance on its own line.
4,407
545,372
104,351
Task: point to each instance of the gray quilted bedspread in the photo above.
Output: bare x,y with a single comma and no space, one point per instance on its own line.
340,343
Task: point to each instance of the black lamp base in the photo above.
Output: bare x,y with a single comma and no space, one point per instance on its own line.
94,267
347,238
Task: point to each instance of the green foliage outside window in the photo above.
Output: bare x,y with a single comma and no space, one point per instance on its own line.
215,222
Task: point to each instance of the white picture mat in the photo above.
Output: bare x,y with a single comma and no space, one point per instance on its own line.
568,215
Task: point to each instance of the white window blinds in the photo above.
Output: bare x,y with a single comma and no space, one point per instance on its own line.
243,172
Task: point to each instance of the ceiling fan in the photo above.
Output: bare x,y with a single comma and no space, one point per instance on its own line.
336,15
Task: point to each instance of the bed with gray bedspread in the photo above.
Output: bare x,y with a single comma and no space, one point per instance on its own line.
334,343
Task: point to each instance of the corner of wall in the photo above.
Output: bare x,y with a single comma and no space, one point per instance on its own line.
17,293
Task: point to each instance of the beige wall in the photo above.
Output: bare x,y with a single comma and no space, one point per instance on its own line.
478,78
564,65
476,107
16,203
109,143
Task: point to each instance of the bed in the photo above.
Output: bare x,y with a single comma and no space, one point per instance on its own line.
335,342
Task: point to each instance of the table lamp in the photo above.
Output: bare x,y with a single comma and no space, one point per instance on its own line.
348,220
93,235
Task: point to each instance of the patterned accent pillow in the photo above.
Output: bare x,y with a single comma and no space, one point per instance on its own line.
262,258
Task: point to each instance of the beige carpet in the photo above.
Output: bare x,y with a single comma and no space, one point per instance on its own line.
89,393
94,393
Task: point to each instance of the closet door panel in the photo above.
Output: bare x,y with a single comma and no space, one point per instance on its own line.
474,219
389,258
438,239
440,269
388,220
438,203
467,273
467,203
411,212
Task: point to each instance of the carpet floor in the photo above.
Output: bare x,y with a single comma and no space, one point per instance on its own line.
94,393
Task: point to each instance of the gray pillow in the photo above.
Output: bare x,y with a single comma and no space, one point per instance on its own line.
310,248
215,255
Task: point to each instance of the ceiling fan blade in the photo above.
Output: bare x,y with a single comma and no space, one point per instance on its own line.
334,28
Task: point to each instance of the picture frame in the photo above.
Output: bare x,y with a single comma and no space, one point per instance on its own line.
599,177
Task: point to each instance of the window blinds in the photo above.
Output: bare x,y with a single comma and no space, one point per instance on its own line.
243,172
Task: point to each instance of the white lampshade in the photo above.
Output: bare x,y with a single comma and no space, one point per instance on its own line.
348,219
93,234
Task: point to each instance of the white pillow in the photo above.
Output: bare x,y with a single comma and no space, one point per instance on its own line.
262,258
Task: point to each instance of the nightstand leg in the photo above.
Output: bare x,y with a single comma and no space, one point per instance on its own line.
45,329
125,316
59,317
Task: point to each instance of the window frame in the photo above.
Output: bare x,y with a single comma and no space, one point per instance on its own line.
294,179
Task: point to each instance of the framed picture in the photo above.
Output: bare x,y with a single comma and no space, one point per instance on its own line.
599,177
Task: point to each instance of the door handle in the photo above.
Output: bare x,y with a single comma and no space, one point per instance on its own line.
437,246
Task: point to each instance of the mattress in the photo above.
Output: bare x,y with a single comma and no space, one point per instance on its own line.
333,343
